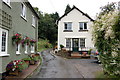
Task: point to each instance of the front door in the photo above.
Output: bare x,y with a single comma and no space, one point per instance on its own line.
75,44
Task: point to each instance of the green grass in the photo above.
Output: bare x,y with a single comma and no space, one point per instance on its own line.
99,74
43,45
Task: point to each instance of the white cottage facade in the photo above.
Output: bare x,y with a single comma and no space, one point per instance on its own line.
75,31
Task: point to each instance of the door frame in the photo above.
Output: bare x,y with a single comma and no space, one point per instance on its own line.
75,44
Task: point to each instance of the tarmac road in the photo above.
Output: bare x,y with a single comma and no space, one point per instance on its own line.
58,67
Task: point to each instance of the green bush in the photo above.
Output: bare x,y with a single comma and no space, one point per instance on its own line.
106,36
23,66
61,46
43,44
26,59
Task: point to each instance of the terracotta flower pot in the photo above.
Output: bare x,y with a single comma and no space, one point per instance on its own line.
15,73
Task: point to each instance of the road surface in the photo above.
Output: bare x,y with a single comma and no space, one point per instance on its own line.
58,67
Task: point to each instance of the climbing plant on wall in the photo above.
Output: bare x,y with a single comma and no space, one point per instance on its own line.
106,36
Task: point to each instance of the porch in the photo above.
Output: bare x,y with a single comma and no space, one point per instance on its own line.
78,44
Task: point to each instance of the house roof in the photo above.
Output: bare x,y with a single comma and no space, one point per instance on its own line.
74,7
32,9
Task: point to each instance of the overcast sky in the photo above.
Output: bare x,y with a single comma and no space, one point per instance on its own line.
91,7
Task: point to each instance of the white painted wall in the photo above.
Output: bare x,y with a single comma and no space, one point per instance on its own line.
75,17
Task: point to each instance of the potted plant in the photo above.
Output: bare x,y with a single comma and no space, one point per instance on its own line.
27,60
17,38
34,58
16,66
61,46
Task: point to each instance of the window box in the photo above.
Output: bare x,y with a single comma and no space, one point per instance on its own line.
68,31
83,30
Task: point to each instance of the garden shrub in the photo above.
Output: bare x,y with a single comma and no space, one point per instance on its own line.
61,46
106,36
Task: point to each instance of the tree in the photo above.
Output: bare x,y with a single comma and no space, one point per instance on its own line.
68,8
47,28
107,8
106,36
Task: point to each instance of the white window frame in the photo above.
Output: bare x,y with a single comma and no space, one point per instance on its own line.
83,26
82,43
33,20
18,50
23,10
7,2
6,45
69,25
32,49
26,49
68,42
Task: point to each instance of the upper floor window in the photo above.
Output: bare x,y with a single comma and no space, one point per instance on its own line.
68,25
83,26
7,1
33,20
24,10
3,42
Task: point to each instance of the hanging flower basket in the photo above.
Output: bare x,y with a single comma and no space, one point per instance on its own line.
32,42
26,40
17,38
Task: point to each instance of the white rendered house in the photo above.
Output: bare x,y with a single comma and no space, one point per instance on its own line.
75,31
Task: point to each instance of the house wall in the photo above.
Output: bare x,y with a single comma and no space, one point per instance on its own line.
75,17
20,25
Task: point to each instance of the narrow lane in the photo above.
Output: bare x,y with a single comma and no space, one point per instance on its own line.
57,67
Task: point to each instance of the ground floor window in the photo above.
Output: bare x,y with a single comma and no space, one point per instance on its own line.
68,43
3,41
82,42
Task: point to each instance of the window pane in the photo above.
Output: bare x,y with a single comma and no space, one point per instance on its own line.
3,41
65,26
81,26
85,25
68,26
68,43
23,10
82,42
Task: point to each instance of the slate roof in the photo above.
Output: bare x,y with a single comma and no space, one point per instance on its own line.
74,7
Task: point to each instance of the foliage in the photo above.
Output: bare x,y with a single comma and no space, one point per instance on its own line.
17,38
32,41
89,52
107,8
16,64
106,36
26,59
42,43
68,8
47,27
61,46
34,57
26,40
